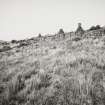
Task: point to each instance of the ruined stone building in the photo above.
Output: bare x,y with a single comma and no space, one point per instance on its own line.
61,34
79,31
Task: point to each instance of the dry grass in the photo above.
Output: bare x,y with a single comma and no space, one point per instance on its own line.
65,72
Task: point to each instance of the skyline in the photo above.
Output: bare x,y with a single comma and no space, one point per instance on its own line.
20,19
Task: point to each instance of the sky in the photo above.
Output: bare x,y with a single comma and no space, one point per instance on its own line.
20,19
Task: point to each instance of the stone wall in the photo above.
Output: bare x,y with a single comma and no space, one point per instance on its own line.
71,35
94,33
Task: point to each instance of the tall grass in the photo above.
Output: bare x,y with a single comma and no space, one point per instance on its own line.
70,75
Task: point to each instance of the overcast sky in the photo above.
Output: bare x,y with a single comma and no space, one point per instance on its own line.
21,19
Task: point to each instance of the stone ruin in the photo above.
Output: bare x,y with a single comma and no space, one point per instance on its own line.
61,34
94,33
79,31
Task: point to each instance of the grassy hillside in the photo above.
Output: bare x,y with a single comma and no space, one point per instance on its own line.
68,71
